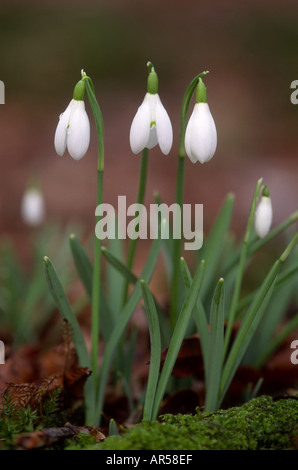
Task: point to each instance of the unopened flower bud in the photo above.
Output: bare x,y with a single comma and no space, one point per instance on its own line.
263,215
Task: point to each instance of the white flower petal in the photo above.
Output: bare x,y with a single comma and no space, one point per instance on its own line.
60,139
203,137
153,140
163,127
78,137
140,127
187,140
263,217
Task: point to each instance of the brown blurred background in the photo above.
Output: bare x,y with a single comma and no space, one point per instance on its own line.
250,49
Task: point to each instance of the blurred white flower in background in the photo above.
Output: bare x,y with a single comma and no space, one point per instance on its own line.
33,207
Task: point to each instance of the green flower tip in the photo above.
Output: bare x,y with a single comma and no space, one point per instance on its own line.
34,182
201,92
72,236
46,259
79,91
152,82
266,192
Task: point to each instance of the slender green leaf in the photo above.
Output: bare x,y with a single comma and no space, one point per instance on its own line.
247,331
256,243
178,335
216,347
167,246
155,348
119,266
277,341
283,278
66,311
115,280
82,263
213,247
132,278
123,320
140,201
252,320
113,429
85,271
241,266
199,315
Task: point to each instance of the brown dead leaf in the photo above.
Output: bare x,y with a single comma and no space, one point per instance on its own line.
189,360
20,367
47,437
70,385
183,401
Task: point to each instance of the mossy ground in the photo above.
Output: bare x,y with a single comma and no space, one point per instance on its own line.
262,423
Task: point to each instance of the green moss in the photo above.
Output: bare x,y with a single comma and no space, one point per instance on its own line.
81,442
262,423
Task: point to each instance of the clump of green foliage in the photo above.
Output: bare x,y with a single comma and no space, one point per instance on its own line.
262,423
15,420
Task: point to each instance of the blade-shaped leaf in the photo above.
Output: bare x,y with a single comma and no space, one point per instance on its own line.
66,311
178,335
216,347
155,348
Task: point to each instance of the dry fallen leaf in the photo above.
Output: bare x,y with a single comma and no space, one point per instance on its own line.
47,437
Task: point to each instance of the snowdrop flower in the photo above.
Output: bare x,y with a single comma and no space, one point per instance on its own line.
201,136
33,207
151,124
263,215
73,129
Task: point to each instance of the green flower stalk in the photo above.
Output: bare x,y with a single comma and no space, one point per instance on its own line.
150,126
97,244
179,192
73,133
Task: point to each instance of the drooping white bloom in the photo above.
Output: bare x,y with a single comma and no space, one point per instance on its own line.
33,207
151,126
73,130
263,216
201,134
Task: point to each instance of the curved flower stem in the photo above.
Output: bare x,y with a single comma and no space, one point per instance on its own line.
96,288
177,243
140,200
95,329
